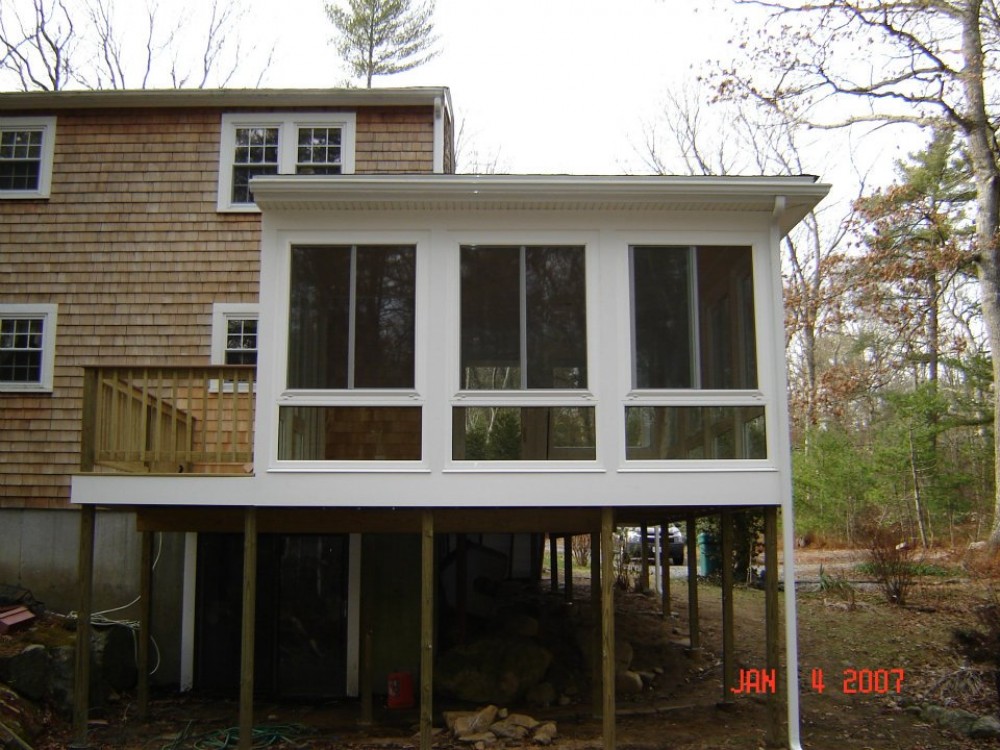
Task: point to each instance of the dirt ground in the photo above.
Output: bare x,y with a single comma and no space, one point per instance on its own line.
908,648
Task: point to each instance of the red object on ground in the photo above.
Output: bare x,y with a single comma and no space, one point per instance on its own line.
14,618
400,690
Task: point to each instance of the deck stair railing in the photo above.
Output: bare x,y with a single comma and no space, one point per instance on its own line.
168,420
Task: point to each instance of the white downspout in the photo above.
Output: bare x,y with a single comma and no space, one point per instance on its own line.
783,446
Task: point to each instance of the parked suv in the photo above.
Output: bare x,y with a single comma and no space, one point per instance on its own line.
674,538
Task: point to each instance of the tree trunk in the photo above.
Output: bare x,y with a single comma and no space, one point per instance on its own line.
981,150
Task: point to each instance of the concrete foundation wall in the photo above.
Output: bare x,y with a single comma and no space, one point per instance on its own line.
39,549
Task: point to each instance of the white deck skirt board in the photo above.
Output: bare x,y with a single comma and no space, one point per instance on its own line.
414,490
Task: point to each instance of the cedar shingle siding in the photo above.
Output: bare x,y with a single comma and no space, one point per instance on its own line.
132,249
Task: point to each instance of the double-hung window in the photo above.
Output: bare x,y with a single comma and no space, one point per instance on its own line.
252,145
694,362
26,148
523,355
27,347
351,355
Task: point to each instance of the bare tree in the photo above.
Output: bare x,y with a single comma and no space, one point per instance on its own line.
706,137
98,44
842,63
38,45
383,37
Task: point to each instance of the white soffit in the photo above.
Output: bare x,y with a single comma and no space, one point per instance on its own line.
787,199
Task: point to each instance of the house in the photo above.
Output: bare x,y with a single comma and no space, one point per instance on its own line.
274,332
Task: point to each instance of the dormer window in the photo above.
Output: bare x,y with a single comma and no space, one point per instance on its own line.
280,143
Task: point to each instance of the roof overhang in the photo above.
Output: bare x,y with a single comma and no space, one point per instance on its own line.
786,199
228,99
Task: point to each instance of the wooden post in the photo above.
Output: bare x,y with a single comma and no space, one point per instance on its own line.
426,628
608,627
568,567
692,552
665,573
644,561
145,622
366,678
462,586
728,639
81,673
773,734
88,420
248,629
596,670
553,563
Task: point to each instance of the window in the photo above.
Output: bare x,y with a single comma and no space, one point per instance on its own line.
523,318
351,317
523,324
351,344
693,330
27,347
275,143
234,334
692,318
26,147
695,432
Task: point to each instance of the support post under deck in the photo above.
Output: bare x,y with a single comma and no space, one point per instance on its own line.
145,622
248,627
773,734
426,628
608,627
81,672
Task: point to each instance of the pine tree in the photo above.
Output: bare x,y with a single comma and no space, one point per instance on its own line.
383,37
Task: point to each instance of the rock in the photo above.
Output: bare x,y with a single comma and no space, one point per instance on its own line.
542,695
522,625
523,720
628,683
958,720
985,727
508,730
492,670
487,738
28,672
545,734
474,723
624,653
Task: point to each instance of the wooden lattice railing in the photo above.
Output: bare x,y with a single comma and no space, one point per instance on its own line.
168,420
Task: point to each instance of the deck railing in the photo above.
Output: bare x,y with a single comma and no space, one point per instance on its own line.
168,420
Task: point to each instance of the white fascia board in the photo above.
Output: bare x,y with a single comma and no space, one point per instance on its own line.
786,200
687,485
33,101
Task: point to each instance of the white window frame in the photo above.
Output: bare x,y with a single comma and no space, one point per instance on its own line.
287,124
526,398
48,314
695,396
47,127
222,313
374,397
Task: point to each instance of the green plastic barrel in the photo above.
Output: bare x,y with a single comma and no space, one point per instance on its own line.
708,554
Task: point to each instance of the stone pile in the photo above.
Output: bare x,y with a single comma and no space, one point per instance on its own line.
493,727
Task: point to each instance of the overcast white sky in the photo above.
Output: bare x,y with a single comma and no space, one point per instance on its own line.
554,86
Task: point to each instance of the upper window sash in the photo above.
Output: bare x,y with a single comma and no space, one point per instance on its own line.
26,149
253,144
693,315
27,347
523,317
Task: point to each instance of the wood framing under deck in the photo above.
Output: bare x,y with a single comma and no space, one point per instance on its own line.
600,524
